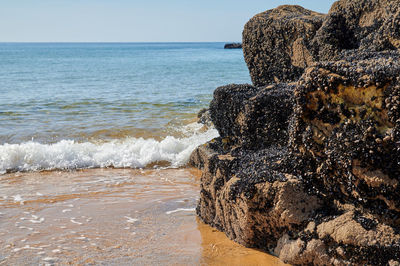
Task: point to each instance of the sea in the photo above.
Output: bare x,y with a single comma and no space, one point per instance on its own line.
122,105
94,144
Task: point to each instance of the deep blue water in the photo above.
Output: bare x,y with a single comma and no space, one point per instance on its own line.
54,91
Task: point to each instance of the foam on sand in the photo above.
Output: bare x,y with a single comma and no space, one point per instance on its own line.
181,210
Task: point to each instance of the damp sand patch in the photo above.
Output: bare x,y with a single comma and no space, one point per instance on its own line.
111,216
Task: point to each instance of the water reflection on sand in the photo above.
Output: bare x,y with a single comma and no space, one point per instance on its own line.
111,216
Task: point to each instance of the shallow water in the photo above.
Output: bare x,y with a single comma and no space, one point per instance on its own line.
101,91
90,105
74,106
111,217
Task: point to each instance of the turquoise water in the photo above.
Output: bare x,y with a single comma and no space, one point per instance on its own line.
70,94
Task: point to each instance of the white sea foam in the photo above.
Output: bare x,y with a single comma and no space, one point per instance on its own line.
75,222
181,210
126,153
131,220
17,198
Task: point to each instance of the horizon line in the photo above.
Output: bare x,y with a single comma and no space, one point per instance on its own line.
120,42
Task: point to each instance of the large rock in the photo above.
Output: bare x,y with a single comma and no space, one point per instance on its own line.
372,25
253,199
226,106
252,116
333,199
328,192
347,119
248,197
276,43
279,44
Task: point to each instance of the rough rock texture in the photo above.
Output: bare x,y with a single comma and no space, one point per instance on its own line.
331,197
204,117
372,25
348,121
248,198
279,44
310,171
276,43
350,238
253,116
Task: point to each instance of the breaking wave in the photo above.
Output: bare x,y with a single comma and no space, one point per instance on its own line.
122,153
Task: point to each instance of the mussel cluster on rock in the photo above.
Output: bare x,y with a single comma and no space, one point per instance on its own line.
307,165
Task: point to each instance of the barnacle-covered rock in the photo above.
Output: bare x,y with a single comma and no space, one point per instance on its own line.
327,192
250,116
253,199
276,43
248,197
347,119
372,25
204,117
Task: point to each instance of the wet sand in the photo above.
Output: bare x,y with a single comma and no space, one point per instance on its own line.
111,217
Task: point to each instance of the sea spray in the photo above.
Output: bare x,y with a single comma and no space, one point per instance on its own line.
121,153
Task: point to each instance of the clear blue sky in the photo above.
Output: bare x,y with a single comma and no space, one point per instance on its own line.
133,20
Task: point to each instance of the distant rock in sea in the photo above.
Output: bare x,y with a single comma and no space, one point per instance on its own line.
234,45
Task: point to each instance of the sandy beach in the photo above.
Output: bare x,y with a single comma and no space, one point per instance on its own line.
111,217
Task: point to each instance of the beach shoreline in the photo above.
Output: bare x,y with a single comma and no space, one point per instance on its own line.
112,217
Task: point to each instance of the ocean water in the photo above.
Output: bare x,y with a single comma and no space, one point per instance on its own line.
105,106
90,105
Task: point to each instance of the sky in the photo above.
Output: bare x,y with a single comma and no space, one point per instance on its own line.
133,20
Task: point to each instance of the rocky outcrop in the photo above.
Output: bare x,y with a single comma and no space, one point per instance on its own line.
372,25
347,120
247,196
331,196
310,170
233,45
251,116
276,44
279,44
346,126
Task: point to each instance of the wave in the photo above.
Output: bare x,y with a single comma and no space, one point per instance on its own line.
123,153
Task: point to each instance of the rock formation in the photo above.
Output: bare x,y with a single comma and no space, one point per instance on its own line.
277,44
233,45
347,121
253,116
372,25
310,170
